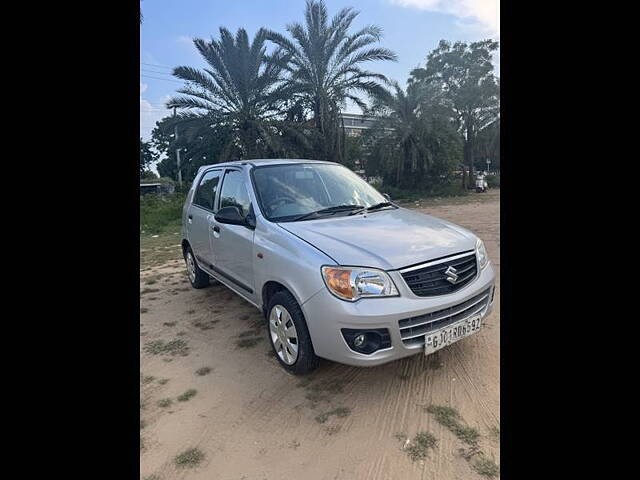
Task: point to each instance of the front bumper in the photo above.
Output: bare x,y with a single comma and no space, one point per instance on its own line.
326,315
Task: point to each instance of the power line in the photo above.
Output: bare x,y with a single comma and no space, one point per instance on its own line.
158,78
156,65
155,71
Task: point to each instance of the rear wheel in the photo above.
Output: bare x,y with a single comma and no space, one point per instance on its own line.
197,277
289,335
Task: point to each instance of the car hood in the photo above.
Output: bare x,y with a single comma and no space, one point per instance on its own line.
386,239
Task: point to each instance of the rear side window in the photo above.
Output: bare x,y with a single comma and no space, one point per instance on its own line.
234,192
206,193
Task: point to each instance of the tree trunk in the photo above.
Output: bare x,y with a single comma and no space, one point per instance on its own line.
470,145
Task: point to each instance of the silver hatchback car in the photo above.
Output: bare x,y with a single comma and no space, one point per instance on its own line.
338,270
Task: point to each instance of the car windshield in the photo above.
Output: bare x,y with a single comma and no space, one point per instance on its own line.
286,192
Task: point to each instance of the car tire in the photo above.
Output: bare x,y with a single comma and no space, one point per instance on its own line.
306,360
198,277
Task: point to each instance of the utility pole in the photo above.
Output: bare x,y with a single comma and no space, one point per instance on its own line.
175,132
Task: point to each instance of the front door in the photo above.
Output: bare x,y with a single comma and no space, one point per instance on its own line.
233,244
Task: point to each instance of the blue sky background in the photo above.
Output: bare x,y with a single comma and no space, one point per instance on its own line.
411,29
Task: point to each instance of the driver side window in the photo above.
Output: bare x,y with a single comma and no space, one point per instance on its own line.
234,192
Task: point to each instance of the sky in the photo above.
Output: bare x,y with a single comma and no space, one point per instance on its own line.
411,28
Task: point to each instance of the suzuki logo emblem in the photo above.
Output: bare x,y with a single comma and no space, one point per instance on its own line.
451,274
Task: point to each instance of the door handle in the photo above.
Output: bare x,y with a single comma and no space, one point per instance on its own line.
216,229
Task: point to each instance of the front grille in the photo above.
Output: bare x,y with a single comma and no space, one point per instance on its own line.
413,330
432,280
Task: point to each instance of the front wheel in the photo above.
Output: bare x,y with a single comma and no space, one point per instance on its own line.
289,335
197,277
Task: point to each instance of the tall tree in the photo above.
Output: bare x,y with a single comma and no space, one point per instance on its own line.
240,91
199,145
399,131
413,138
147,157
464,74
488,147
324,65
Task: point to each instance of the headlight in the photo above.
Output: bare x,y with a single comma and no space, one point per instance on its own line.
353,283
483,258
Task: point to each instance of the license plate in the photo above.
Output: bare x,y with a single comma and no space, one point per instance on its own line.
450,334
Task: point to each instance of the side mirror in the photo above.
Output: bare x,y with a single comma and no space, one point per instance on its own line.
387,196
230,215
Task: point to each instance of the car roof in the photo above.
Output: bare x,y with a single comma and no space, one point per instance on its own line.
263,161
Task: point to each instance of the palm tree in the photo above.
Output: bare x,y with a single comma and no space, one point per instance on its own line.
324,68
411,132
241,90
399,129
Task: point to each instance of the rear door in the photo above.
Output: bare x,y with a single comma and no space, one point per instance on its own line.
200,215
233,244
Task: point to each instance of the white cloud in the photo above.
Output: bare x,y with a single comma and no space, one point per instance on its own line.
150,113
483,14
184,39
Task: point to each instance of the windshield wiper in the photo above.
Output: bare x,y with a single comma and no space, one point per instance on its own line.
337,208
380,205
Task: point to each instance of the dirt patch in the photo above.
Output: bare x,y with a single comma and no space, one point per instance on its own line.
251,419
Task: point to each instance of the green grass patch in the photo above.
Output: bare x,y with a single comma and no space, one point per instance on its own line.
486,467
338,412
189,458
174,347
205,325
324,391
148,290
186,396
160,213
450,418
165,402
203,371
419,447
248,342
163,381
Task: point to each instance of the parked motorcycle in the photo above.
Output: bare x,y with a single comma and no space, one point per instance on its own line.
481,183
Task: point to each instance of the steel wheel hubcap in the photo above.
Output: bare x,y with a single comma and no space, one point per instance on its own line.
191,267
283,334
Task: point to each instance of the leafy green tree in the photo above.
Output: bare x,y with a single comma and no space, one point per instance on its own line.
324,64
413,141
240,92
198,146
464,74
147,157
488,147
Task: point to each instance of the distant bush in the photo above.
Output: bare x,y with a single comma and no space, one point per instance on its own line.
160,212
150,179
448,189
493,181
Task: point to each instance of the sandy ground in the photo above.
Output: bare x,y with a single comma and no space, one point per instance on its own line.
254,421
